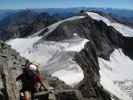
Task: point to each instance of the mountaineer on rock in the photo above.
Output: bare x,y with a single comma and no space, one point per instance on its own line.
31,81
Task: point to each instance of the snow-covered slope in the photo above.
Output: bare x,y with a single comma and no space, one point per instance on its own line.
54,57
119,68
127,86
55,25
123,29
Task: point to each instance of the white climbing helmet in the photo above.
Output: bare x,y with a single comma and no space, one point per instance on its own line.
33,67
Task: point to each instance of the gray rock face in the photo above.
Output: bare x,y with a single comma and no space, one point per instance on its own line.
69,95
10,62
90,87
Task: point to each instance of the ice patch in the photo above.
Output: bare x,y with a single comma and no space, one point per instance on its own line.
23,45
71,75
119,68
74,47
123,29
114,89
99,17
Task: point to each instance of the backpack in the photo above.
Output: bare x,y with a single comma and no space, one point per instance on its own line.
29,77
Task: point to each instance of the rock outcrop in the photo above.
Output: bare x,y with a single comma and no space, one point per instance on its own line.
10,62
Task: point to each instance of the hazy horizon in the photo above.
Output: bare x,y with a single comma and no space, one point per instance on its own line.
68,8
40,4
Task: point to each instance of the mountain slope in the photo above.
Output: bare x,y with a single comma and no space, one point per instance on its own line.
24,23
84,46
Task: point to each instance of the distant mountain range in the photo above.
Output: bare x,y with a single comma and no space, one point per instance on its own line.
5,13
22,23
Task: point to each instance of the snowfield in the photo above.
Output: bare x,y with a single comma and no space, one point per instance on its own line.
123,29
23,45
54,57
119,68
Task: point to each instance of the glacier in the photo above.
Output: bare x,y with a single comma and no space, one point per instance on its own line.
118,68
54,57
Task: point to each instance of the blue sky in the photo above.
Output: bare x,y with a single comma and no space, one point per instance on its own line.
20,4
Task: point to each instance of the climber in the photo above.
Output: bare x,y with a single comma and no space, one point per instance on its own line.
30,79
